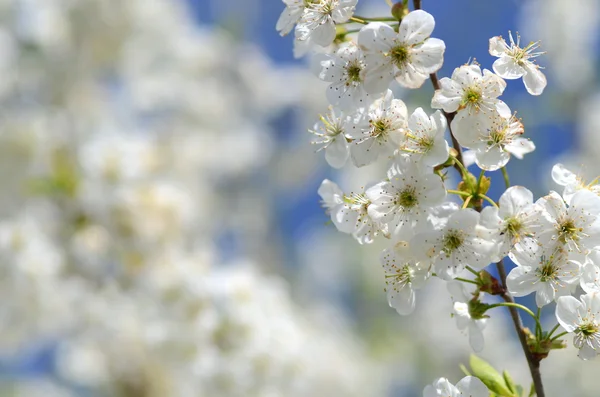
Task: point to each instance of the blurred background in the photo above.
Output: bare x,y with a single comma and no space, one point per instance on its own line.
160,230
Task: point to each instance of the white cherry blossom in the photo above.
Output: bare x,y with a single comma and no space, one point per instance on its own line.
349,212
378,131
515,62
403,202
581,317
318,21
461,242
424,139
345,70
468,386
493,137
546,270
513,219
409,55
403,275
470,92
290,16
576,226
590,276
330,135
465,320
572,182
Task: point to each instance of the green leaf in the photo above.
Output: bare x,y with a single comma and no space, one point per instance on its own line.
509,382
532,390
464,370
490,377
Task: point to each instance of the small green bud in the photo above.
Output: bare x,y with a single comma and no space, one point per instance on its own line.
400,10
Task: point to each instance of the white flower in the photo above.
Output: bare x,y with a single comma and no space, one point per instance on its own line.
468,386
319,19
404,201
590,276
577,227
379,130
545,270
471,90
290,15
409,55
403,275
572,182
345,71
583,319
493,137
464,319
461,242
330,135
349,212
424,138
513,219
514,62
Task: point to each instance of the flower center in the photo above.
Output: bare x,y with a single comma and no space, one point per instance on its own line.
588,328
407,198
513,227
403,275
353,70
452,241
471,97
547,272
497,137
399,56
568,231
380,127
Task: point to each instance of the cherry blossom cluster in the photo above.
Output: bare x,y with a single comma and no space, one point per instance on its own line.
434,229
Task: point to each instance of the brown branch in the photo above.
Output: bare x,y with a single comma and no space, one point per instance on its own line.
534,363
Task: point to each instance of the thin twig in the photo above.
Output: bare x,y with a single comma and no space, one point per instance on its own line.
534,364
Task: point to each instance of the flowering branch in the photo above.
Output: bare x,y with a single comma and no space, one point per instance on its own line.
553,241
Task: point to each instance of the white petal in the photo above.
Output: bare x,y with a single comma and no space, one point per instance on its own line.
587,352
544,295
590,278
337,152
330,192
507,68
364,152
376,37
497,46
476,338
534,80
410,77
520,147
416,27
324,34
448,97
471,386
567,308
562,176
522,281
288,19
378,78
428,57
492,159
403,300
503,109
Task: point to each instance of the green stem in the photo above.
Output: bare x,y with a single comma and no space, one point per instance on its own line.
558,336
479,180
538,326
553,330
467,201
464,171
505,175
489,200
376,19
475,272
464,280
358,20
459,192
517,306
